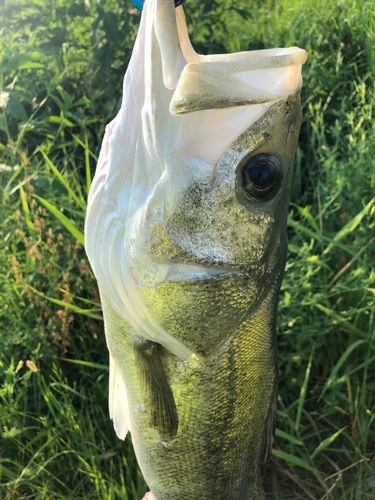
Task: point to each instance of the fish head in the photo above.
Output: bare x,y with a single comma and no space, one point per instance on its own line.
230,214
187,213
216,232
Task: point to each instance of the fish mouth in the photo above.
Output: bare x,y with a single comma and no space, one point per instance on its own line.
202,82
187,272
228,80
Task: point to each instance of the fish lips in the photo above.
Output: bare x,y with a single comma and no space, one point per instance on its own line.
187,272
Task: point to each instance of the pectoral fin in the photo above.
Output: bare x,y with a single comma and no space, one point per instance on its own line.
158,396
118,404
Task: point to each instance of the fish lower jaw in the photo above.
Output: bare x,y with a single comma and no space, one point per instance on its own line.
169,273
186,272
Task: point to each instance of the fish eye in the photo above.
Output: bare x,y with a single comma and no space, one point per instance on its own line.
261,177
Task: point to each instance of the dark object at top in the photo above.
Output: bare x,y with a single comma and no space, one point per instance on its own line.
139,3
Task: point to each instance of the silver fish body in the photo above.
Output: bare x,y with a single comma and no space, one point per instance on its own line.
190,265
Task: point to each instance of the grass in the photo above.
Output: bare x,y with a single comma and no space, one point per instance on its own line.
62,65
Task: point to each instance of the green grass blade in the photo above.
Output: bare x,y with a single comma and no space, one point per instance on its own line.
26,209
326,442
365,364
17,170
67,388
351,225
300,228
277,493
84,146
84,363
86,312
302,395
293,459
87,161
337,318
63,219
338,365
75,297
5,472
284,435
305,212
62,180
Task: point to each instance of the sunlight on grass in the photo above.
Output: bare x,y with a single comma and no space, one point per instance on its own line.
62,66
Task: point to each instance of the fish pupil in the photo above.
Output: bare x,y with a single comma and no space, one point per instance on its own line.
262,176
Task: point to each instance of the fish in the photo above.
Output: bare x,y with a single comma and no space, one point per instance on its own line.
186,234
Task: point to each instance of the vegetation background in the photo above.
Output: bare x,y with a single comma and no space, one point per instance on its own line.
62,65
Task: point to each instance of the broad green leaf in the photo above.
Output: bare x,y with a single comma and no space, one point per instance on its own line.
60,104
82,101
13,106
37,55
31,64
326,442
245,13
292,459
63,219
58,119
